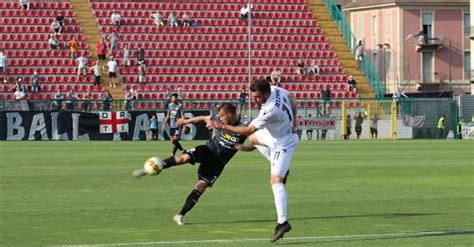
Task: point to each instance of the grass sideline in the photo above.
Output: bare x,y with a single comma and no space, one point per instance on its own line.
73,193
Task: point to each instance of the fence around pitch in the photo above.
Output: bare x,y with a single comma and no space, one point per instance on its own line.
407,118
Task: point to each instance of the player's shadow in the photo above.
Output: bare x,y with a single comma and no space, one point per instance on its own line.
385,216
330,239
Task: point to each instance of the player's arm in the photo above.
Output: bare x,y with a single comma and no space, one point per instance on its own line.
244,148
241,130
167,120
183,121
294,107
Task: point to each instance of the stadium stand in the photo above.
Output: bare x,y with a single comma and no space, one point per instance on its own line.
24,39
209,61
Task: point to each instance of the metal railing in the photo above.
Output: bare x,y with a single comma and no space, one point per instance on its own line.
365,65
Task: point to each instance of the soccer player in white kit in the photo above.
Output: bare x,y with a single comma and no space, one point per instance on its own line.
272,133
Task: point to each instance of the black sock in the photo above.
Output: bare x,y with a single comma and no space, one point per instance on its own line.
178,145
169,162
174,150
192,199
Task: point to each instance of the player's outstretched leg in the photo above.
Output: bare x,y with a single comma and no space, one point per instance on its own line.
167,163
191,201
139,173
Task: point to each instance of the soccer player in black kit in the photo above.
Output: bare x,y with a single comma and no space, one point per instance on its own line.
212,156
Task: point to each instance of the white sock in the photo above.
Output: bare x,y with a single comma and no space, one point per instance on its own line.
264,151
279,192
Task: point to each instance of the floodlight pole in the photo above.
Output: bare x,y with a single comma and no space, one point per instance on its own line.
249,6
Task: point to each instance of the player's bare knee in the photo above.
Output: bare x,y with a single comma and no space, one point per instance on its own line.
201,186
275,179
182,159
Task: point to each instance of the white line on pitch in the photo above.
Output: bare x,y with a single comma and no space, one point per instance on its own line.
321,238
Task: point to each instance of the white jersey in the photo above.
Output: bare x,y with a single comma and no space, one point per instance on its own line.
276,114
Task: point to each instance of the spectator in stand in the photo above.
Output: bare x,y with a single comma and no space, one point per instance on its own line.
101,50
56,27
244,12
326,95
142,74
114,41
133,92
352,84
116,18
128,101
359,120
87,101
97,69
325,114
180,93
359,52
130,96
140,55
35,82
126,56
3,65
83,62
276,77
348,127
60,19
74,47
301,68
299,128
243,97
313,70
19,86
373,126
158,19
53,43
24,4
186,20
107,99
58,99
309,130
153,128
19,95
173,20
71,100
113,68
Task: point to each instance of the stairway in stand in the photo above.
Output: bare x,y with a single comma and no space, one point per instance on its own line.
90,29
344,54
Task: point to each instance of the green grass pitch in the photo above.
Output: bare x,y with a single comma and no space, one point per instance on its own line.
355,193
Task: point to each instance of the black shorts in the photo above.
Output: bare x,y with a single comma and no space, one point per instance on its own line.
97,79
2,70
210,168
358,129
154,131
373,131
101,57
112,75
175,131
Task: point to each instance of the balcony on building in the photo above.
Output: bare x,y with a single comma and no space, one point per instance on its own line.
429,44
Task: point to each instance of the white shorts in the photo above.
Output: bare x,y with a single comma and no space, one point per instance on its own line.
280,151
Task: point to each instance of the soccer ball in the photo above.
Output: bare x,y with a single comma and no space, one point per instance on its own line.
151,166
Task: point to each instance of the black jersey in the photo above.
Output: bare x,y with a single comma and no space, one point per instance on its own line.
222,142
